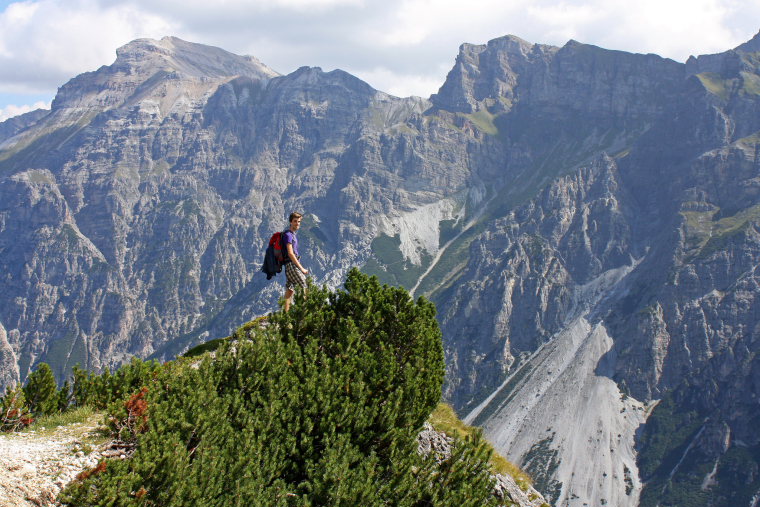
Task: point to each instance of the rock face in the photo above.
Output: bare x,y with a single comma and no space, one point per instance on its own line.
623,279
586,221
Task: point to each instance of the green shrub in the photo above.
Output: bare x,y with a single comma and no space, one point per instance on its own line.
445,419
41,391
100,391
14,414
63,399
321,407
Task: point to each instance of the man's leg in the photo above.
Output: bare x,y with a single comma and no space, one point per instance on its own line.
288,299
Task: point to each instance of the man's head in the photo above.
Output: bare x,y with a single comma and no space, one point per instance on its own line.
295,220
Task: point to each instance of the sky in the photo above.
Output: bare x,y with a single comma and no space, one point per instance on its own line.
402,47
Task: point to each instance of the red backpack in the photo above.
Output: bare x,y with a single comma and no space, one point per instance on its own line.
276,243
275,255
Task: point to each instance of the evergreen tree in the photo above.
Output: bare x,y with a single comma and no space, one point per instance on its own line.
320,407
81,391
41,391
100,391
64,397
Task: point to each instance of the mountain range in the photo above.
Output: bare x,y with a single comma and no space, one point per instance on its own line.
585,220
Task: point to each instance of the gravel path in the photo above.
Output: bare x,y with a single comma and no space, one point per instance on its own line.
35,466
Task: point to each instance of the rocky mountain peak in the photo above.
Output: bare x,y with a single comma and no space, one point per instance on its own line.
485,71
190,59
510,44
144,66
509,71
751,46
314,77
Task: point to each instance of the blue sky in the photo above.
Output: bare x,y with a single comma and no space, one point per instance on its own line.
403,47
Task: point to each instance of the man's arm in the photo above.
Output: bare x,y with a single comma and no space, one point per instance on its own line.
294,259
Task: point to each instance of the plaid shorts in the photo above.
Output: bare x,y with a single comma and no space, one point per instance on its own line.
295,277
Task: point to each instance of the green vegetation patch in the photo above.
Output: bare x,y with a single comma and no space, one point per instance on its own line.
60,351
749,141
25,153
541,462
747,83
312,233
715,84
448,229
483,120
444,419
705,235
733,478
737,480
320,407
668,432
48,424
389,265
206,347
240,334
750,83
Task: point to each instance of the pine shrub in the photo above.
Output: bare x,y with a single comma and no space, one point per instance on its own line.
63,400
100,391
14,413
321,407
41,391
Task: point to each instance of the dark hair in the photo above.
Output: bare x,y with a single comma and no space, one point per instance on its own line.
293,215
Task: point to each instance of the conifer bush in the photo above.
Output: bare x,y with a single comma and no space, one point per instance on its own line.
100,391
41,396
14,413
41,391
63,400
321,407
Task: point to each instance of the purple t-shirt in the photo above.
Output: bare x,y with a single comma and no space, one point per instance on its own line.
290,237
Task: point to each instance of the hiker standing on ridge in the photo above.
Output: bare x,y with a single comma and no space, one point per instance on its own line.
294,271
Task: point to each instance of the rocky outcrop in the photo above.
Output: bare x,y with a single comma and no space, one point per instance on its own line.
506,489
8,362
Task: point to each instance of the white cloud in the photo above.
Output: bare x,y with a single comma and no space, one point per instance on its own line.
312,4
670,28
47,42
11,110
400,84
403,47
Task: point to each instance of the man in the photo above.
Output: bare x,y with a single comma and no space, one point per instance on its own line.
295,273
